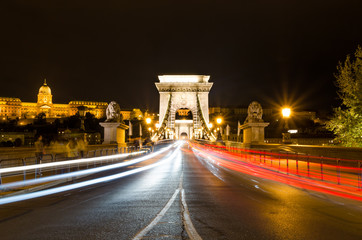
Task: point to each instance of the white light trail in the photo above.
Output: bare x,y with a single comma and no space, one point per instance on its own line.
82,172
70,162
43,193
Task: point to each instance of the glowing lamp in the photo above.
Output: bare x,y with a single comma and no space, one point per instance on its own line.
286,112
219,120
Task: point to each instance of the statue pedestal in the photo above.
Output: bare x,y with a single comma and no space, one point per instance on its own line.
253,133
114,132
121,137
110,131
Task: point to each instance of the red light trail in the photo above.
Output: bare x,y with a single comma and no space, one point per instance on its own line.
291,169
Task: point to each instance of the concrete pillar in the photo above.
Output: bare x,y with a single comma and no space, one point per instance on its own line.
253,133
110,131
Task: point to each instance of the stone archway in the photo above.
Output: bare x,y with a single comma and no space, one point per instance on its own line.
183,135
184,92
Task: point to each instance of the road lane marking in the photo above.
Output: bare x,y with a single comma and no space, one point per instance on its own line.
186,218
157,218
190,229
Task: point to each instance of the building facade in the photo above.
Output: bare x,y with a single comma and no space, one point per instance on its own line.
11,108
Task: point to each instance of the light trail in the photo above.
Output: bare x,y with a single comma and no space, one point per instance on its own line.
331,173
82,172
291,155
326,172
43,193
69,162
240,163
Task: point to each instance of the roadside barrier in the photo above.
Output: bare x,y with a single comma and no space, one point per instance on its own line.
338,171
52,164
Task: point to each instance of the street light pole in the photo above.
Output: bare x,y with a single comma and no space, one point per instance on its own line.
219,121
286,112
148,122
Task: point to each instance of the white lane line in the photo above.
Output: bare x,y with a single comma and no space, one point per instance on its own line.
186,219
190,229
157,218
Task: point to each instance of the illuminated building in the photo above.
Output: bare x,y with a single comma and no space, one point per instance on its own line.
14,108
184,107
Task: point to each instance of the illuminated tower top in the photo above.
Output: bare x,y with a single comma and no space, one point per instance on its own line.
45,95
184,78
45,89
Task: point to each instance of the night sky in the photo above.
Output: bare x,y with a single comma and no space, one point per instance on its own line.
275,52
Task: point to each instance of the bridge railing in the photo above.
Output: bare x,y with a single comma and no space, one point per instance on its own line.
338,171
32,173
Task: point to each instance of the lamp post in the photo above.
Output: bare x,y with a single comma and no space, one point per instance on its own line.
148,122
286,112
219,122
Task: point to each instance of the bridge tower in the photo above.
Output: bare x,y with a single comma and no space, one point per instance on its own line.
184,107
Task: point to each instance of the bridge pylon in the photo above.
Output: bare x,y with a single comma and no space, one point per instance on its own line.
184,107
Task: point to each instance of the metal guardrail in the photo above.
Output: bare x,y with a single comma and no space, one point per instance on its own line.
330,170
60,157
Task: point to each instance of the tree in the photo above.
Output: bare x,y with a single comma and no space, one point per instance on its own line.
40,118
347,120
18,142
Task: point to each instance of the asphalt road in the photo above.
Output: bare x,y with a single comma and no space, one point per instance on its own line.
184,197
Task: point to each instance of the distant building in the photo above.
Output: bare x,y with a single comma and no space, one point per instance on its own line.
21,138
236,111
14,108
137,113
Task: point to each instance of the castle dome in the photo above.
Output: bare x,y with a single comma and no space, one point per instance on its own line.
45,89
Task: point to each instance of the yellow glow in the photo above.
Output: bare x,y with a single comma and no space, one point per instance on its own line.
219,120
149,129
286,112
148,120
157,125
209,125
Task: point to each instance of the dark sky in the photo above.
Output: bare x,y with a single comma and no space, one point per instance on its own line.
275,52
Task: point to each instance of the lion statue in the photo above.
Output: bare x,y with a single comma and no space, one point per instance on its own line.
255,112
113,112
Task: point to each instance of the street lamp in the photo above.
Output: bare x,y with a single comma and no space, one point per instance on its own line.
148,122
219,121
286,112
